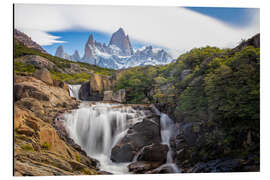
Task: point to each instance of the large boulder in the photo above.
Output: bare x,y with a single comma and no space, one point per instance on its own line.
139,135
154,153
99,83
95,88
44,75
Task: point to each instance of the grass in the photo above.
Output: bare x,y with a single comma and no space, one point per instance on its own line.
46,146
76,78
78,157
27,147
22,67
22,50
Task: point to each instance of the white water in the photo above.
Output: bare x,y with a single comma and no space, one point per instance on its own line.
97,128
74,90
167,130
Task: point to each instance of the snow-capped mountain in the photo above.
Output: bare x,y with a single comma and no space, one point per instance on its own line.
61,53
119,54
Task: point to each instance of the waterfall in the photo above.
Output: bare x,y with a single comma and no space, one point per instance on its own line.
98,127
74,90
167,130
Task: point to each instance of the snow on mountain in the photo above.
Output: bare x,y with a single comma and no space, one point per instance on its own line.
119,54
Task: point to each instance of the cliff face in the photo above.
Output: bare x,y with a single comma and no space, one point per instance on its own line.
94,89
38,148
120,40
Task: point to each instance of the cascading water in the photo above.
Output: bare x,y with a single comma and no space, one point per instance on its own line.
74,90
167,130
98,127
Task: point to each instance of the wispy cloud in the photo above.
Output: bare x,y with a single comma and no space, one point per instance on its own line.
178,29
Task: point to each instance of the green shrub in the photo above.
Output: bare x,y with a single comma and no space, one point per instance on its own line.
78,157
27,147
22,67
46,146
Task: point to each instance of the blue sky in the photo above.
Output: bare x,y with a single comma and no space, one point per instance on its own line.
176,29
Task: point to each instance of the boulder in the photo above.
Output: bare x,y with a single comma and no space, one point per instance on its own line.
124,153
44,75
99,83
154,153
94,89
139,135
143,166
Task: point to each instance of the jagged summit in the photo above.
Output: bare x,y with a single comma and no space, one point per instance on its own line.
118,53
121,40
91,39
75,56
60,51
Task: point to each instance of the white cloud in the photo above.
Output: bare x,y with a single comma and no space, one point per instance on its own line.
41,37
177,29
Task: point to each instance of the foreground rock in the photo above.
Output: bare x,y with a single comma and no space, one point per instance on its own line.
143,166
139,135
38,148
154,153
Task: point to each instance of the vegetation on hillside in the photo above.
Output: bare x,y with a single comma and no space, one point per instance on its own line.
74,78
218,88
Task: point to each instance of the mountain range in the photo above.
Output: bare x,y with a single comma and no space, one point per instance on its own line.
118,54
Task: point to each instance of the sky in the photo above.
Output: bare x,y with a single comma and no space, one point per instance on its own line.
176,29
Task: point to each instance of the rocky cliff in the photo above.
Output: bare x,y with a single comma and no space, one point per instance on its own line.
120,40
39,149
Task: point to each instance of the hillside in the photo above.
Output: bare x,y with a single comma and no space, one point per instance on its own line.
61,69
213,95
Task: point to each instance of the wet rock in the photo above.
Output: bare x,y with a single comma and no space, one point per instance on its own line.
165,169
124,153
142,166
139,135
154,153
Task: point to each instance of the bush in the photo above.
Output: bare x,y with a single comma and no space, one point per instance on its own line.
46,146
28,147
